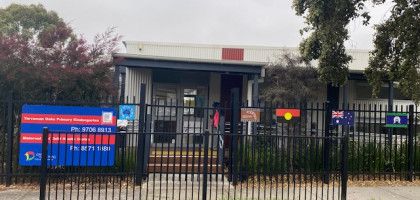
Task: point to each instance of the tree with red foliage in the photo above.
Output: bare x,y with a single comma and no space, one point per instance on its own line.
42,59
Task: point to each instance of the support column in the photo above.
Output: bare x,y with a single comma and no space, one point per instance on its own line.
255,91
234,131
345,95
255,100
333,96
117,76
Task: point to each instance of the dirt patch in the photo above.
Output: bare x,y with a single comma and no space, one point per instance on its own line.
373,183
20,187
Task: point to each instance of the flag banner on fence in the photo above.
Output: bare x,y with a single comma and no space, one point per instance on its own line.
340,117
250,114
127,112
216,119
396,120
81,136
287,113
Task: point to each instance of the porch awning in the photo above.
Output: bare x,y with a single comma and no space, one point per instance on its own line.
153,62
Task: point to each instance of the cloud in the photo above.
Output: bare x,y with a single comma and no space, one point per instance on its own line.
241,22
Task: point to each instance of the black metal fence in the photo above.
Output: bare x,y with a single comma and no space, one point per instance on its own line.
174,151
259,167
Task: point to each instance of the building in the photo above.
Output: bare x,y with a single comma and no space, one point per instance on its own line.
207,67
200,75
191,75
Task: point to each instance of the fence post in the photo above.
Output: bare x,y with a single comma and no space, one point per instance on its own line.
141,137
43,171
234,135
410,148
205,164
9,143
326,153
221,142
344,165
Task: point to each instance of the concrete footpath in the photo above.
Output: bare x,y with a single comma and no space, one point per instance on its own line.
354,193
384,193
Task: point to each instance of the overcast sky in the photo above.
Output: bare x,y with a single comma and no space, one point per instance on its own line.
240,22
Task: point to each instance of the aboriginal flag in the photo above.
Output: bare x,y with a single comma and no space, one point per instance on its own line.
287,113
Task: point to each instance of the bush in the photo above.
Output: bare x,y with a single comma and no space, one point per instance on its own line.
267,156
271,156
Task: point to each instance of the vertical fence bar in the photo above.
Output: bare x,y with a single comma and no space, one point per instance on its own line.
221,133
9,143
141,137
344,165
326,151
410,148
205,164
43,174
234,134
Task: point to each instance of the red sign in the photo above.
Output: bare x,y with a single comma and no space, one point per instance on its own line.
232,54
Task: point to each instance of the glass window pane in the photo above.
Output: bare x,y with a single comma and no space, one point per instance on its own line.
190,92
189,102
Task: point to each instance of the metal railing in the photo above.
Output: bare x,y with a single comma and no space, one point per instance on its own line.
171,149
260,166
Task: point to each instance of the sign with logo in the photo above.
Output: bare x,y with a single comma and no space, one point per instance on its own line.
127,112
80,136
396,120
339,117
287,113
250,115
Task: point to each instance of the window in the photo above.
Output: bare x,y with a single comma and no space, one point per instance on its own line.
364,91
193,102
165,95
190,96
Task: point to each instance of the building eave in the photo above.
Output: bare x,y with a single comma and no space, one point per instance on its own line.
230,66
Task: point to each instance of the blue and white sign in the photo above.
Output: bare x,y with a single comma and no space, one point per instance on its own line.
80,136
127,112
342,117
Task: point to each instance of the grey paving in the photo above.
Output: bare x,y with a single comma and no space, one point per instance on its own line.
384,193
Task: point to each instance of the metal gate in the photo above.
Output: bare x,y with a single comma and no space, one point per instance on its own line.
178,151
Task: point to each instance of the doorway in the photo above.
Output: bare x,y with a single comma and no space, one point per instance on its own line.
178,108
228,82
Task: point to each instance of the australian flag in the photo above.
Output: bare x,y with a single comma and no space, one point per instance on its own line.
342,117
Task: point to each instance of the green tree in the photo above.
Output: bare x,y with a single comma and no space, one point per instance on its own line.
41,57
396,56
27,21
326,25
290,79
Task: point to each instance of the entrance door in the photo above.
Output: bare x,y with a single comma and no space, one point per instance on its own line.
194,115
165,113
179,109
228,82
